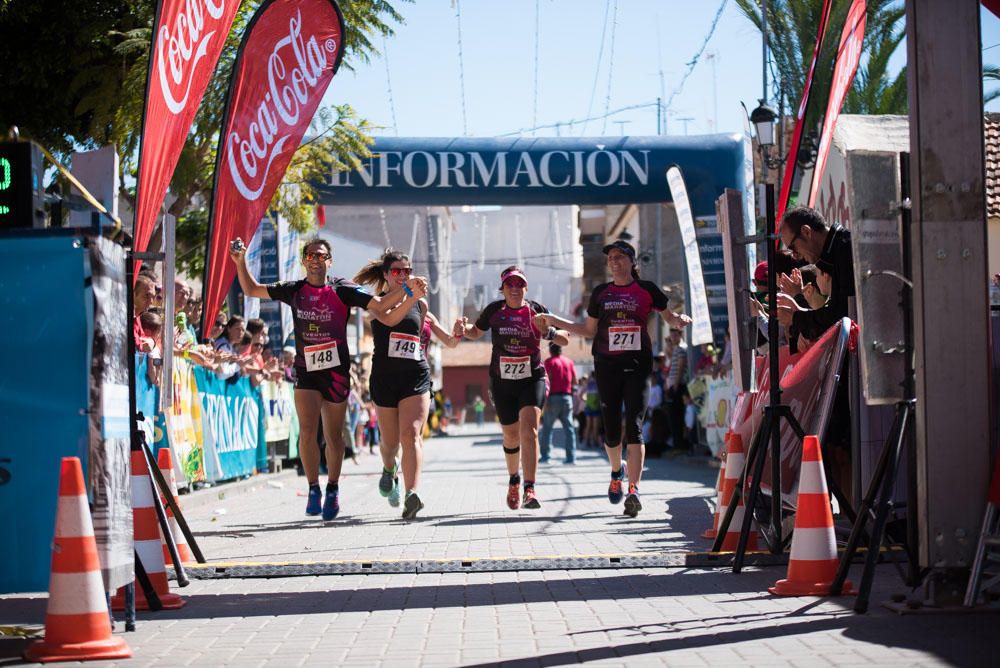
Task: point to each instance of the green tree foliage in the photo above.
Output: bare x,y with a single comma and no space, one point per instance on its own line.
792,26
80,78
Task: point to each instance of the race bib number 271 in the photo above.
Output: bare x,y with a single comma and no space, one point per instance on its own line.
625,338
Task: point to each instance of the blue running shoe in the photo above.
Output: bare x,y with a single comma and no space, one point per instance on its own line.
385,481
313,501
615,492
331,505
394,493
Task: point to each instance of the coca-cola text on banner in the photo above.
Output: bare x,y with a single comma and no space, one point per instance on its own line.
289,55
188,37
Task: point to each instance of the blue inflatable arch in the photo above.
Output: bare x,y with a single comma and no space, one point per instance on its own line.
541,171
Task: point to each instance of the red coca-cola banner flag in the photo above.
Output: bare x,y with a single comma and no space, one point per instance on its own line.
791,161
848,57
188,36
289,54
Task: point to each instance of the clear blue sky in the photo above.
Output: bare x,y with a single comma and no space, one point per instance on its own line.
498,48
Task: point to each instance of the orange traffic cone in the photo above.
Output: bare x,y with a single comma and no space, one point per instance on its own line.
146,529
166,465
812,564
77,624
735,461
714,531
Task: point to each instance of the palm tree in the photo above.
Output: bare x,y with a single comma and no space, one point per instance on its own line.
792,26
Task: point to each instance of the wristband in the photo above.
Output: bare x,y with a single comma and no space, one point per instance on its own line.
187,355
551,334
407,290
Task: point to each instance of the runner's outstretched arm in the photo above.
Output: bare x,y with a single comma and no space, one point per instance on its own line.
586,329
443,335
251,288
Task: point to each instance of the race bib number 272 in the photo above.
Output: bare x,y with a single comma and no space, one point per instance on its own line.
515,368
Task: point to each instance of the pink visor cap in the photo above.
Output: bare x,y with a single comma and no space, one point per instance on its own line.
512,273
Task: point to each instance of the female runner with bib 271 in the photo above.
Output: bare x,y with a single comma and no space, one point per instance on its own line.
618,317
517,377
401,380
321,308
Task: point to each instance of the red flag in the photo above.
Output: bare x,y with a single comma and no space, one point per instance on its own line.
188,36
848,58
320,216
790,166
289,54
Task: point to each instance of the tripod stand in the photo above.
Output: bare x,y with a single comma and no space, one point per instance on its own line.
883,481
769,435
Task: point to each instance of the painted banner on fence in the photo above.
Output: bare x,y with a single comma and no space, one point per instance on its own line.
184,424
279,406
719,397
233,425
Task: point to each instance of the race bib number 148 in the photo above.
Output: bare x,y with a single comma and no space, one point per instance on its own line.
321,356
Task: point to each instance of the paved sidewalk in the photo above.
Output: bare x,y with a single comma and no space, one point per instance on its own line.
633,617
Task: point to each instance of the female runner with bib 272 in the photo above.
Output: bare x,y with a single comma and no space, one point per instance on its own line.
517,377
321,308
401,380
618,317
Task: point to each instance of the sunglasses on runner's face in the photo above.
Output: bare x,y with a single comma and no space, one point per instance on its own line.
314,255
515,283
400,271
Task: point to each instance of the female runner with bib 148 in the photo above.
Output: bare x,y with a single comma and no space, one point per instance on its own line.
618,317
321,308
401,380
517,377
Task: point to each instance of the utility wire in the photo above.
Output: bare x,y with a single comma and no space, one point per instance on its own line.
534,107
611,67
694,61
461,67
572,122
597,67
388,83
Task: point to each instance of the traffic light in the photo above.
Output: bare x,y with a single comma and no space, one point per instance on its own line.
22,198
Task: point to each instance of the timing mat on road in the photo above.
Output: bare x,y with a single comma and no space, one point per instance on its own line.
263,569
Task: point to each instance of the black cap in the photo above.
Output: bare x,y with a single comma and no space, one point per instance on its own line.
623,246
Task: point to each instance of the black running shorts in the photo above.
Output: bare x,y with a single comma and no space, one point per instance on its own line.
333,384
388,389
510,396
623,385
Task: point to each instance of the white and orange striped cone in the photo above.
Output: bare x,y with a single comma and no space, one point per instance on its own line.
714,531
735,461
812,564
165,463
77,624
146,530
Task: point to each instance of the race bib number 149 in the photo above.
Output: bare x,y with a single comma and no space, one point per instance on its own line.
404,346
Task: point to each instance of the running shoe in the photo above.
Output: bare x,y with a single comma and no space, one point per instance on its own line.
412,506
387,482
531,502
632,505
314,501
514,495
615,492
394,493
331,505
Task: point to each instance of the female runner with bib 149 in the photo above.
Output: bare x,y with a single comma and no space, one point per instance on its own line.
321,308
517,377
401,380
618,317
